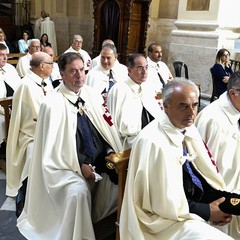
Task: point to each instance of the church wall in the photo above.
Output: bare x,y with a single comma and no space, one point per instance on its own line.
192,36
70,17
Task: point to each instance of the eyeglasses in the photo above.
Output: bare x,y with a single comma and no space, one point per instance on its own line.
35,46
50,63
141,68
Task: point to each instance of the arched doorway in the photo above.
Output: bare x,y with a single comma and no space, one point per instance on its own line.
124,20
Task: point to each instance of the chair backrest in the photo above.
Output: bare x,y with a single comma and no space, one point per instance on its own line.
235,65
178,65
214,94
120,162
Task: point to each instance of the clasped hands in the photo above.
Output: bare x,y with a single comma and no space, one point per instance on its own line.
218,217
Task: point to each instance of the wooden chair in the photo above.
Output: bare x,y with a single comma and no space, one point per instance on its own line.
235,65
214,94
178,66
120,162
6,103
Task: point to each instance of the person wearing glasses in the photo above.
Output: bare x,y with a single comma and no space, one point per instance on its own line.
132,102
67,191
221,71
55,77
23,64
218,124
77,42
26,102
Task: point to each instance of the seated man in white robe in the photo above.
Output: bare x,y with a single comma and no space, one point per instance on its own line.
96,61
158,72
218,125
9,80
55,77
26,103
76,47
23,64
173,188
110,71
132,103
67,163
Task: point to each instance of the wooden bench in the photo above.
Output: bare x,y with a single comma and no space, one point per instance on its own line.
120,162
14,57
6,103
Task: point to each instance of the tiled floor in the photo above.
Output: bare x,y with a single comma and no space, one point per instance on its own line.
8,229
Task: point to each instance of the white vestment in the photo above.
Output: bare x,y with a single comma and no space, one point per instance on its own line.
219,128
10,76
26,102
37,28
126,105
98,77
48,27
95,61
23,65
153,77
58,201
155,205
86,57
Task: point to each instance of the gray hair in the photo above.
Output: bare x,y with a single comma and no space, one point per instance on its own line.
33,40
78,38
171,86
110,46
234,81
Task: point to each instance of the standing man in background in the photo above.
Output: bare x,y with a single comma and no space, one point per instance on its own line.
37,25
48,27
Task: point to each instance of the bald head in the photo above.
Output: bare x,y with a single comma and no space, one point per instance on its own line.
41,64
49,51
108,41
38,58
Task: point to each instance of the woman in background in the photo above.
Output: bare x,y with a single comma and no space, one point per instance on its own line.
24,43
44,41
5,42
221,71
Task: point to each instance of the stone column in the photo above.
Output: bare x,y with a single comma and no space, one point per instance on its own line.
202,28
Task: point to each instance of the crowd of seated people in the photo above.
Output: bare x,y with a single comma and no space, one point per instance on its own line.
59,136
